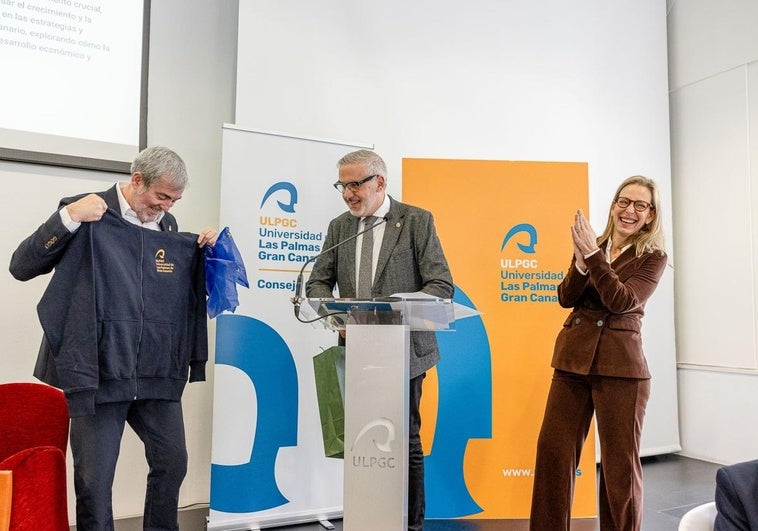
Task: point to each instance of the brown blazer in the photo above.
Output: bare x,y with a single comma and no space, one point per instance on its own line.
602,334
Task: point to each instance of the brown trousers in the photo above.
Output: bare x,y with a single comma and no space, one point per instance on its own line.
619,407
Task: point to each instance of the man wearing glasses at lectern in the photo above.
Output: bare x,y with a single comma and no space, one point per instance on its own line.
402,254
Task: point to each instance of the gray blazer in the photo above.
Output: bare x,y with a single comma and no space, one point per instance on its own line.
410,259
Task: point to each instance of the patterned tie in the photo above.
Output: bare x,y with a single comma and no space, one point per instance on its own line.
365,279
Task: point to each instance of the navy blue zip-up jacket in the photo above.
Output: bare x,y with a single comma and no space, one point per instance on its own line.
124,315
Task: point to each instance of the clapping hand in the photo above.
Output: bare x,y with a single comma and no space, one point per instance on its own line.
584,237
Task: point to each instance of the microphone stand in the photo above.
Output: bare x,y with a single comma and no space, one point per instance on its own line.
298,296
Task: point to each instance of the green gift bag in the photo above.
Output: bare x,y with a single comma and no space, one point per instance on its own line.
329,369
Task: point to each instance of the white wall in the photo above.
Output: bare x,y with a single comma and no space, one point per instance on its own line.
713,79
485,79
191,94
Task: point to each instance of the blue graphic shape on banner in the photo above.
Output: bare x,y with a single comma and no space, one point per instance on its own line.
260,352
288,207
464,412
522,227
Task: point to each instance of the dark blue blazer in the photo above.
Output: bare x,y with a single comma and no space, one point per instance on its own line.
42,250
39,254
737,497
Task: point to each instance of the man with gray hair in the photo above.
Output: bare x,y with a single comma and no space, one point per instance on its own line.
125,327
406,257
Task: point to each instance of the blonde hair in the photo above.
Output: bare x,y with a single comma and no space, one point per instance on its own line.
650,237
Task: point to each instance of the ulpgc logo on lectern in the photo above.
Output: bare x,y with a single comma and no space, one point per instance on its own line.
381,432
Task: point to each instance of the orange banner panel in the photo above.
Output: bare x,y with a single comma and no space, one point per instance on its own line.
505,229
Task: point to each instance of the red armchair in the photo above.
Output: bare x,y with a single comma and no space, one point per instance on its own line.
33,440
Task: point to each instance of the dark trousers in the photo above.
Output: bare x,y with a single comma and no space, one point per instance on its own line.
619,407
416,498
95,444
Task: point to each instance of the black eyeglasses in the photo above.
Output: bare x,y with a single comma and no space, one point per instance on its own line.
639,206
352,185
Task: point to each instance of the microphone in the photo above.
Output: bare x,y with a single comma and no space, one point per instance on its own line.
298,297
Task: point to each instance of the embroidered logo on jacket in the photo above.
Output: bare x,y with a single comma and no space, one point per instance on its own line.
161,265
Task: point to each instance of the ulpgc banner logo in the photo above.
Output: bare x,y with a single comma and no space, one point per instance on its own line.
285,240
507,239
290,193
522,279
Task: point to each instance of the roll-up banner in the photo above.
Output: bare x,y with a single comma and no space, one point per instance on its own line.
505,230
268,464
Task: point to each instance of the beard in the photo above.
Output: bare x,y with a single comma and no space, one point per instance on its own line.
148,214
145,212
